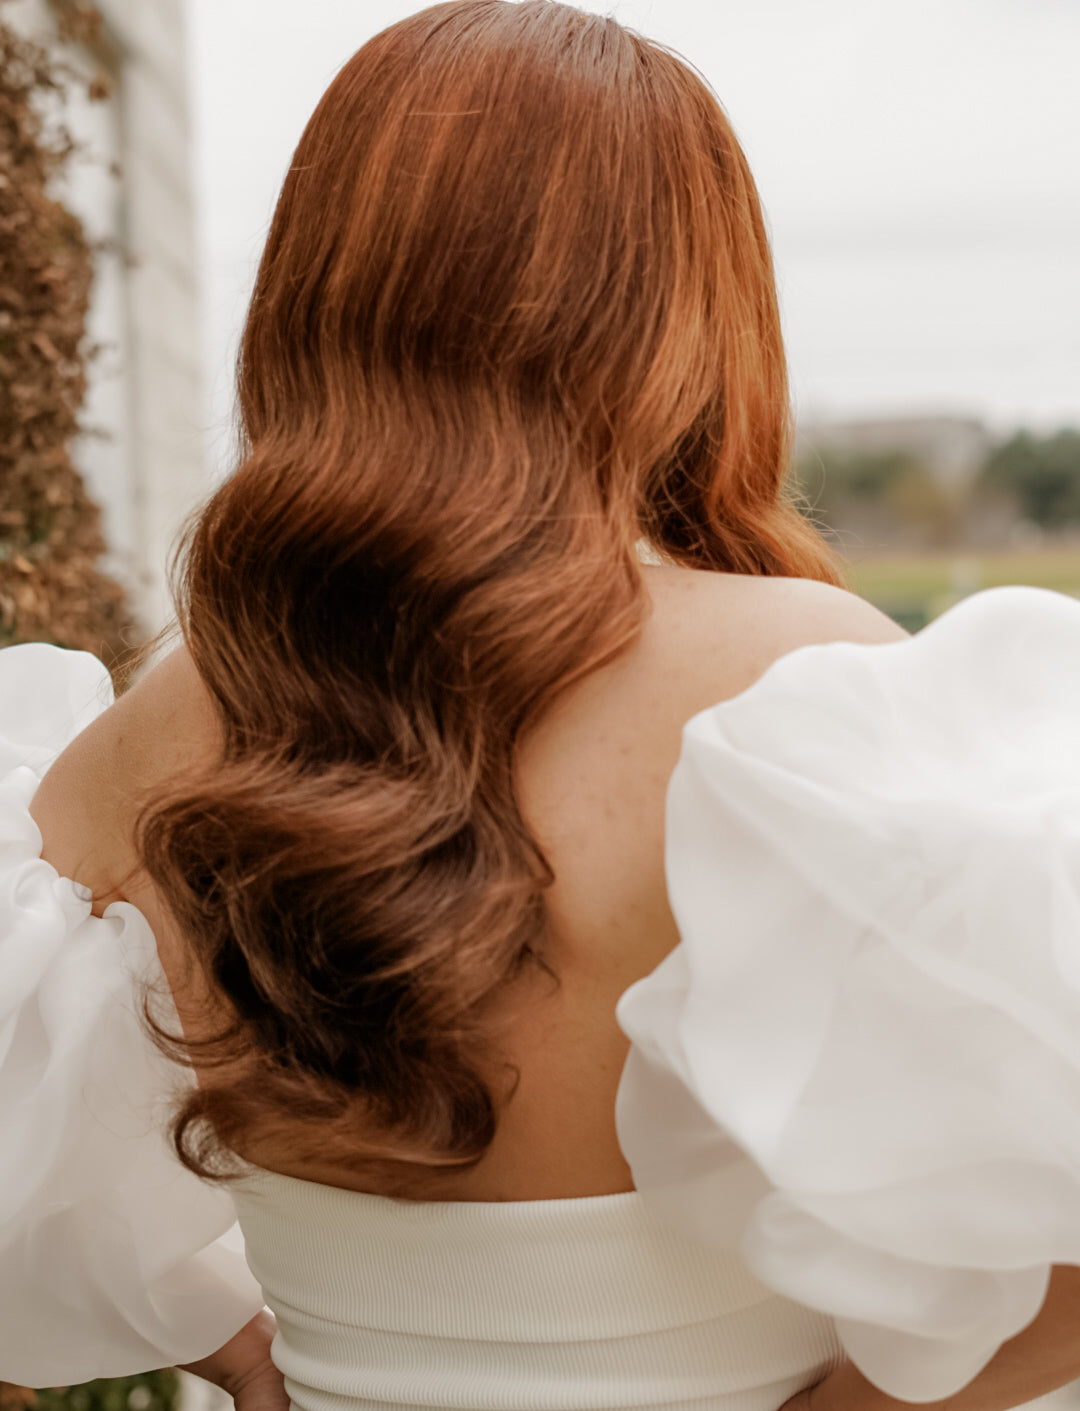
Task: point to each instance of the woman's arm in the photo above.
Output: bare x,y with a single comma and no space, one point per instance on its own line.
862,859
1038,1360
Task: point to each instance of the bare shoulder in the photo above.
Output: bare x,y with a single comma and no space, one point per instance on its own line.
722,631
595,769
87,804
707,638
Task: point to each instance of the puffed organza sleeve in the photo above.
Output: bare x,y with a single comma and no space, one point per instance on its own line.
110,1261
862,1063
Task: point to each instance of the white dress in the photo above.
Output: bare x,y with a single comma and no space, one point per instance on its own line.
852,1103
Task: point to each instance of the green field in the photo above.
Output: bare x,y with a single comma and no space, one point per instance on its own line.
914,589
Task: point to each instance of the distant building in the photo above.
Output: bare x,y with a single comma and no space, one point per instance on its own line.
953,449
144,459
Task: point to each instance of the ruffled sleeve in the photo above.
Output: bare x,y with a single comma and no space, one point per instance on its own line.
110,1258
862,1063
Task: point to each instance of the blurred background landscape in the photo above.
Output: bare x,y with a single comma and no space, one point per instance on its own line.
929,509
919,167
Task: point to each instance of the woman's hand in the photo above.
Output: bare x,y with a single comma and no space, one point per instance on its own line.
243,1368
846,1389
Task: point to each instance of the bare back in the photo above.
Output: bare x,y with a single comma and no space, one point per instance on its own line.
593,777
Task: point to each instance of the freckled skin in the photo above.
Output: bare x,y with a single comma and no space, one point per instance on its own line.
88,802
593,776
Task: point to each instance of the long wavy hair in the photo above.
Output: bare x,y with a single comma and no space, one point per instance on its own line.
516,314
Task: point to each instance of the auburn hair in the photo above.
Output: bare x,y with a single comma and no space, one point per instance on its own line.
516,314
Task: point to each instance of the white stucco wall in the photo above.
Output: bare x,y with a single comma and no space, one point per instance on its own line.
144,460
166,387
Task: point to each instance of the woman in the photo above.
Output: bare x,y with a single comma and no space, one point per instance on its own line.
392,818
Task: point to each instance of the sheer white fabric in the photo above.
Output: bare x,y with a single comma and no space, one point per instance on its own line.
862,1064
109,1261
861,1067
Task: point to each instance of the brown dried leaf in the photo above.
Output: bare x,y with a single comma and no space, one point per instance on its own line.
16,1398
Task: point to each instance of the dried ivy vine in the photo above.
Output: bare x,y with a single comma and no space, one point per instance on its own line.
51,585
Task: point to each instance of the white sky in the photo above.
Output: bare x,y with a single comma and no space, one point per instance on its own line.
919,164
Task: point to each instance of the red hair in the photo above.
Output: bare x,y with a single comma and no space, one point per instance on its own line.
516,313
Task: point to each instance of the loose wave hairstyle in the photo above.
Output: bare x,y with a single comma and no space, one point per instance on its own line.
516,314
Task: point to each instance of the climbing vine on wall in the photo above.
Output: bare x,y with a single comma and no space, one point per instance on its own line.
51,585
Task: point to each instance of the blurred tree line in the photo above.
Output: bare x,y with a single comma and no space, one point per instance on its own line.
1041,475
1028,485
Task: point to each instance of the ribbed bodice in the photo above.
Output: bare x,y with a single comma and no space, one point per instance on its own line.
498,1307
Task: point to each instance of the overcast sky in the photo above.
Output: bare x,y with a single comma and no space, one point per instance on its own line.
919,164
